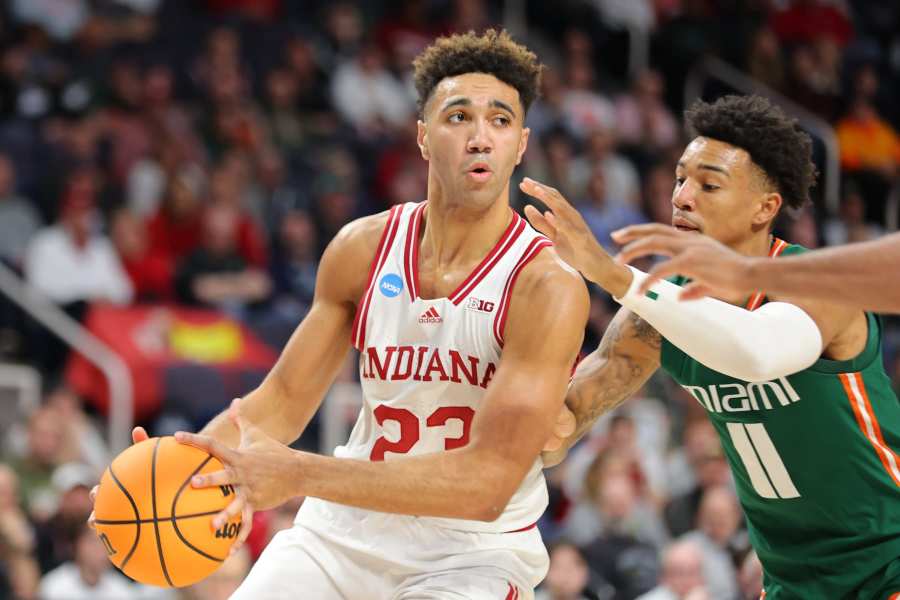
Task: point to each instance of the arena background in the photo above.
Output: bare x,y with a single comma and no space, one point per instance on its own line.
170,171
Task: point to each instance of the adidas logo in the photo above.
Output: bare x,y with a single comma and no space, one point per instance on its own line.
430,316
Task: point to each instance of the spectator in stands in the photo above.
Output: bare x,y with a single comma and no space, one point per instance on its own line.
216,274
584,107
175,229
82,440
619,557
388,105
56,537
618,172
765,62
682,574
643,121
850,224
69,262
605,213
150,274
569,575
719,537
34,468
693,470
19,221
19,572
228,186
870,146
89,576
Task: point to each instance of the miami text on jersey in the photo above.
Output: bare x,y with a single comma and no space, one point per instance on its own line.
744,397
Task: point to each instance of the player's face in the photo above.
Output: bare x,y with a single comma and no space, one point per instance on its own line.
473,137
720,192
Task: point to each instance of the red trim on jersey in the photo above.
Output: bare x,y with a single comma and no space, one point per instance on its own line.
536,245
509,237
384,246
776,249
526,528
411,252
513,593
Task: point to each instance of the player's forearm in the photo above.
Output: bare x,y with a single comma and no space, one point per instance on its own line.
600,384
454,484
862,275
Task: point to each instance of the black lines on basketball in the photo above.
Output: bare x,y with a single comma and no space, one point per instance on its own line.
137,517
162,559
208,513
175,518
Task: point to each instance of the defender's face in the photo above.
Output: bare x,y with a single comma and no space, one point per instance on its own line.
473,136
719,192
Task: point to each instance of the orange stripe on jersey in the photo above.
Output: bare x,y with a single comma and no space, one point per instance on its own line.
763,595
776,249
894,596
868,423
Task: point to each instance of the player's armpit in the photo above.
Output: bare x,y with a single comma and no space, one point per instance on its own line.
627,356
844,329
291,393
543,335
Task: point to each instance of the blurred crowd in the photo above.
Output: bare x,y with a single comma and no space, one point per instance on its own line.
203,153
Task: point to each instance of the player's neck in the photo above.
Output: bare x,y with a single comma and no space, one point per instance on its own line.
456,234
757,245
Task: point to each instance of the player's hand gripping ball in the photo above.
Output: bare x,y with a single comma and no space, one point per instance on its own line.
156,527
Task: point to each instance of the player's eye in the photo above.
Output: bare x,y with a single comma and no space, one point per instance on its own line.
679,181
501,121
708,187
456,117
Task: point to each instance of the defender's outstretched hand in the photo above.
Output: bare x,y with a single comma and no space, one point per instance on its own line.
260,470
573,239
565,227
712,268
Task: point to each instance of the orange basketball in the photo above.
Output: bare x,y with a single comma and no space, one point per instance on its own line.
156,527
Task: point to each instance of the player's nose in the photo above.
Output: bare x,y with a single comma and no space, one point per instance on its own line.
684,197
480,138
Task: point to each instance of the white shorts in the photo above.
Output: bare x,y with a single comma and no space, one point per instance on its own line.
335,552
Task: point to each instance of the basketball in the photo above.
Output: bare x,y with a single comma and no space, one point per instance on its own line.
156,527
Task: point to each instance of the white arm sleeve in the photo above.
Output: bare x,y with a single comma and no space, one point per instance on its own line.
776,340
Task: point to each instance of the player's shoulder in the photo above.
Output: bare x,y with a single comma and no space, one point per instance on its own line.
548,280
344,268
361,236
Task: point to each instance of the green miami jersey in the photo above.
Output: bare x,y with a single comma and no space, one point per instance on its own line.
814,458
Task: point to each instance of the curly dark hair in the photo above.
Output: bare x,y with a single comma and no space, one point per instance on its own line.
774,141
494,53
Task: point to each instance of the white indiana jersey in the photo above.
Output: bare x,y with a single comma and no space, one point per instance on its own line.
425,365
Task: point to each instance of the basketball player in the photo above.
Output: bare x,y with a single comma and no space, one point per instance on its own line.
468,325
861,274
796,389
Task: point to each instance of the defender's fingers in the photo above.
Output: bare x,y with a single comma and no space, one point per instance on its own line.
632,232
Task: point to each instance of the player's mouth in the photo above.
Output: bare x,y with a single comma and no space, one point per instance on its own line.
682,224
479,172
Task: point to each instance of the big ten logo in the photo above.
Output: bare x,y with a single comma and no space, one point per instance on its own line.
478,305
391,285
226,490
228,530
107,544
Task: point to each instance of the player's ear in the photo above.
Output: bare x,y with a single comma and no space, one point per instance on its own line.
422,138
769,205
523,144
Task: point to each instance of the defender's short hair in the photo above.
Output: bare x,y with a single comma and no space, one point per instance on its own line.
494,53
774,141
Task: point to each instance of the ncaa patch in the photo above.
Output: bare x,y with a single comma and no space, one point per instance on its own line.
391,285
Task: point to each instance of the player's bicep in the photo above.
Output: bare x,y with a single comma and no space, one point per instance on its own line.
543,335
322,340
